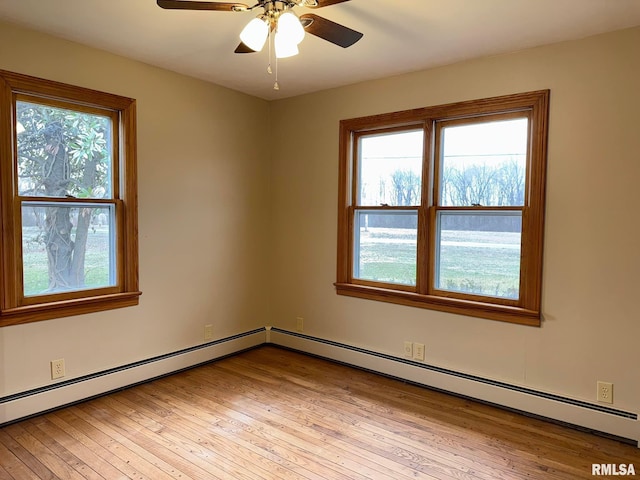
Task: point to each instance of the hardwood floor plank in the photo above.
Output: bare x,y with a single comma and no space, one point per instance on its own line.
488,430
13,467
85,435
25,455
213,452
4,475
97,414
274,414
58,466
238,422
333,410
300,426
66,457
98,428
313,416
86,454
259,457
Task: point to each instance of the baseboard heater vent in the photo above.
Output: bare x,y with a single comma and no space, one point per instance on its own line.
466,376
611,422
127,376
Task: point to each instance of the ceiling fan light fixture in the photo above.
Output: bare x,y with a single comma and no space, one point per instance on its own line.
284,47
255,34
289,26
278,25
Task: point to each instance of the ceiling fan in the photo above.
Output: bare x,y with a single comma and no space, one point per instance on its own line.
277,16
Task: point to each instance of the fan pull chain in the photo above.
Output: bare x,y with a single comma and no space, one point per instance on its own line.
276,85
270,40
269,71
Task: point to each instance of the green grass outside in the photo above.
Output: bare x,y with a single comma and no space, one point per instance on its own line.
36,270
484,263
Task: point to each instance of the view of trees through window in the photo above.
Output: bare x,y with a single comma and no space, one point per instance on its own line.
64,167
482,164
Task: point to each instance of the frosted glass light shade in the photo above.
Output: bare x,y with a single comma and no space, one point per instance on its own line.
290,27
255,34
284,47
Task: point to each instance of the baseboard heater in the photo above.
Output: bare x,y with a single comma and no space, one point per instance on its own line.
615,423
40,400
611,422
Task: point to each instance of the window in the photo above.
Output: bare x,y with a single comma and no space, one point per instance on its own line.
69,204
443,207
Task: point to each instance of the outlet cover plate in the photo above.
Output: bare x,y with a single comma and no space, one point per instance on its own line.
605,392
208,332
418,351
408,349
57,368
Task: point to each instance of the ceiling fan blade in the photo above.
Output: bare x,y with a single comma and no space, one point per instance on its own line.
331,31
326,3
242,48
195,5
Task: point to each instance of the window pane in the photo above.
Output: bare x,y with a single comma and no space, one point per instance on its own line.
67,248
63,152
385,247
479,253
390,167
484,163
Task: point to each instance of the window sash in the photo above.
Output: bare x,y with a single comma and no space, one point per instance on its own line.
397,212
442,125
113,116
115,250
435,258
358,167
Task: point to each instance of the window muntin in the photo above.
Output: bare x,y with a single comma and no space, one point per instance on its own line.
478,216
68,200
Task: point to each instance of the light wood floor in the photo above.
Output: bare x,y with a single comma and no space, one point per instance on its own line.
274,414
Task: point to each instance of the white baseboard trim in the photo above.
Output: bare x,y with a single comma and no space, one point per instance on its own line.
594,417
37,401
618,423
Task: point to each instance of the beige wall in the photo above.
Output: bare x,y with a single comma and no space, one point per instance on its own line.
207,226
202,210
591,325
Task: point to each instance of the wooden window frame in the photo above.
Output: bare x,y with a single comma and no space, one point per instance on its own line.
526,309
15,308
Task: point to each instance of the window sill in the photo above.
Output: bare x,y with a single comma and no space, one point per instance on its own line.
489,311
67,308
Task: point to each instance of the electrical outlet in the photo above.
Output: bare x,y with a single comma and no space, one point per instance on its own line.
57,368
605,392
408,349
418,351
208,332
299,324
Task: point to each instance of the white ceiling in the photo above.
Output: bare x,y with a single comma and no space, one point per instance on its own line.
399,36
